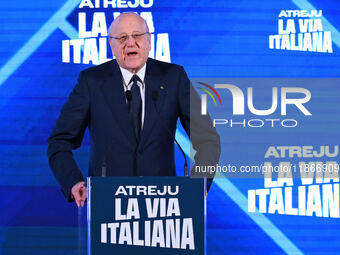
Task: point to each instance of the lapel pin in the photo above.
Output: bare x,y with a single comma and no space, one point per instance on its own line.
161,87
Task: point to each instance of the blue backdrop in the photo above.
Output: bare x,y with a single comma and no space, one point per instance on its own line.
211,39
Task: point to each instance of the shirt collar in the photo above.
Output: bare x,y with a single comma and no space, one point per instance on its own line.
127,75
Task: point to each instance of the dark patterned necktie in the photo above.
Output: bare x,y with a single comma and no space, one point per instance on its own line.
135,107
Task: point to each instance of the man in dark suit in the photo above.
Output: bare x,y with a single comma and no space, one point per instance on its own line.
130,105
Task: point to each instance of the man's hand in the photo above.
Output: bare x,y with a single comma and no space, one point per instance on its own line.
79,193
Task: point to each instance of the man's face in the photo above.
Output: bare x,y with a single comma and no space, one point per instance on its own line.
133,52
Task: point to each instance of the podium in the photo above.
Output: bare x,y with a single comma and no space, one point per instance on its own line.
146,215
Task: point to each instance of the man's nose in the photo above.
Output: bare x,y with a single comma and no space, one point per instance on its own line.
130,41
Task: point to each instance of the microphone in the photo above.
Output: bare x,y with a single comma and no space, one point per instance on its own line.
154,99
155,96
128,95
104,160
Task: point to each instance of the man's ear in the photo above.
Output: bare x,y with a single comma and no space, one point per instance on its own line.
149,40
111,42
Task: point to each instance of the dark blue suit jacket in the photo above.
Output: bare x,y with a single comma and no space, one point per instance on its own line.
98,102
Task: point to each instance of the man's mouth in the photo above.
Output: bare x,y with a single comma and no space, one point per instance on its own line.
132,53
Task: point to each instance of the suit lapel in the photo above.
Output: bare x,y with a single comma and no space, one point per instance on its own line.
114,95
153,82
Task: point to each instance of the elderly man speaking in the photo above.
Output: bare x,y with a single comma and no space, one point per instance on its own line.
130,106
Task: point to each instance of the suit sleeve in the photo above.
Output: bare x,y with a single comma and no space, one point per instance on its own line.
203,136
67,135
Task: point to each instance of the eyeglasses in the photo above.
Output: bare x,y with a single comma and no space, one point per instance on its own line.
124,38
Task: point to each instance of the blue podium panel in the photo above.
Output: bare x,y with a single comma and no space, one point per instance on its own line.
146,215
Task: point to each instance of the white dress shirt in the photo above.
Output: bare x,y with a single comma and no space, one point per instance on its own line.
127,75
